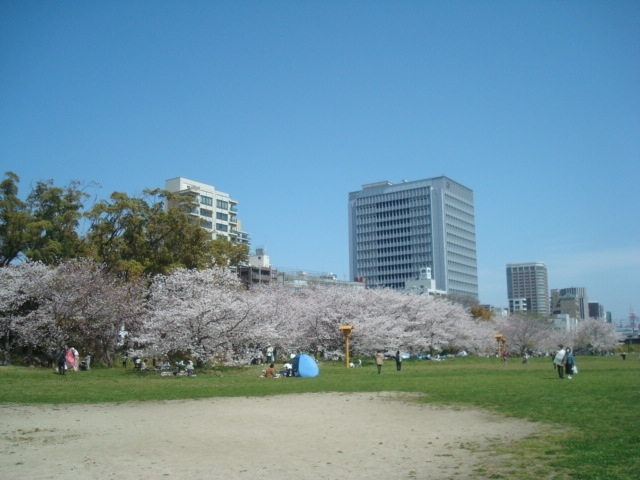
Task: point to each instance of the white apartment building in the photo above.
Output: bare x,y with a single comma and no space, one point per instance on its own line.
216,210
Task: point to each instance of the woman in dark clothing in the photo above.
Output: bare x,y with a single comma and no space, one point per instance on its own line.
62,362
398,361
569,363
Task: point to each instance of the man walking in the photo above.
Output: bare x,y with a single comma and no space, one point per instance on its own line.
559,360
379,360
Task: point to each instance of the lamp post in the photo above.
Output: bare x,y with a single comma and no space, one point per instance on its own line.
501,343
346,331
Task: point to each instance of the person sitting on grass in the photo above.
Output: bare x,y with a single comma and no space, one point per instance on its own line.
189,368
287,370
270,372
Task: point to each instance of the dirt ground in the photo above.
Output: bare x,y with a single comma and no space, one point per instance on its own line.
309,436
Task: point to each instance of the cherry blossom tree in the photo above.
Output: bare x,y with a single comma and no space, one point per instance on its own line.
594,334
386,319
321,311
382,321
476,336
19,296
277,317
525,332
85,306
198,313
433,323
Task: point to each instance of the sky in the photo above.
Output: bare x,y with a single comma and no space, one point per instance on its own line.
288,106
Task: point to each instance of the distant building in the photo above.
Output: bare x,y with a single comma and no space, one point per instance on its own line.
397,230
501,312
300,279
572,301
498,312
596,310
215,210
528,287
260,258
258,271
423,284
518,305
565,322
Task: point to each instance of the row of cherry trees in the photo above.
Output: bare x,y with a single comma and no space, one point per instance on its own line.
79,303
209,315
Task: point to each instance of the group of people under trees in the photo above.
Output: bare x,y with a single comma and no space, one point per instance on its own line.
270,371
165,367
259,355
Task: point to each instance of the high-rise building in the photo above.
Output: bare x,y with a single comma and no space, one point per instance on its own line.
396,231
528,282
572,301
216,211
596,310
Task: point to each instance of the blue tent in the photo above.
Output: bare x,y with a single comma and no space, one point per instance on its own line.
304,366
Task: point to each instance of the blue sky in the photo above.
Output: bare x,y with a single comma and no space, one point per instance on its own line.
289,106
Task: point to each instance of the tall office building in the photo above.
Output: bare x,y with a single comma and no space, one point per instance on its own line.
396,231
528,282
216,211
572,301
596,310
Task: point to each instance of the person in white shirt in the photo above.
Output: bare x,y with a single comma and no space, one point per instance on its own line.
559,360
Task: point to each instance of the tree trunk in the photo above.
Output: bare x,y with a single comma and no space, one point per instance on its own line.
7,350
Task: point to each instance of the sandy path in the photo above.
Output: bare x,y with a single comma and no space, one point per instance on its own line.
309,436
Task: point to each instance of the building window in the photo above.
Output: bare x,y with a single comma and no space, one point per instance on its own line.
221,227
222,204
206,213
207,225
222,216
204,200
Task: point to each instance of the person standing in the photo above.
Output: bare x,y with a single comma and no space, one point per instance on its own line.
71,358
62,362
569,363
379,360
398,361
559,360
76,359
270,358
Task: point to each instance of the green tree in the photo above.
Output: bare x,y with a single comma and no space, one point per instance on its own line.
139,236
14,220
55,215
227,254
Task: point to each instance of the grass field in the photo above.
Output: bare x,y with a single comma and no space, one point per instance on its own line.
594,419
